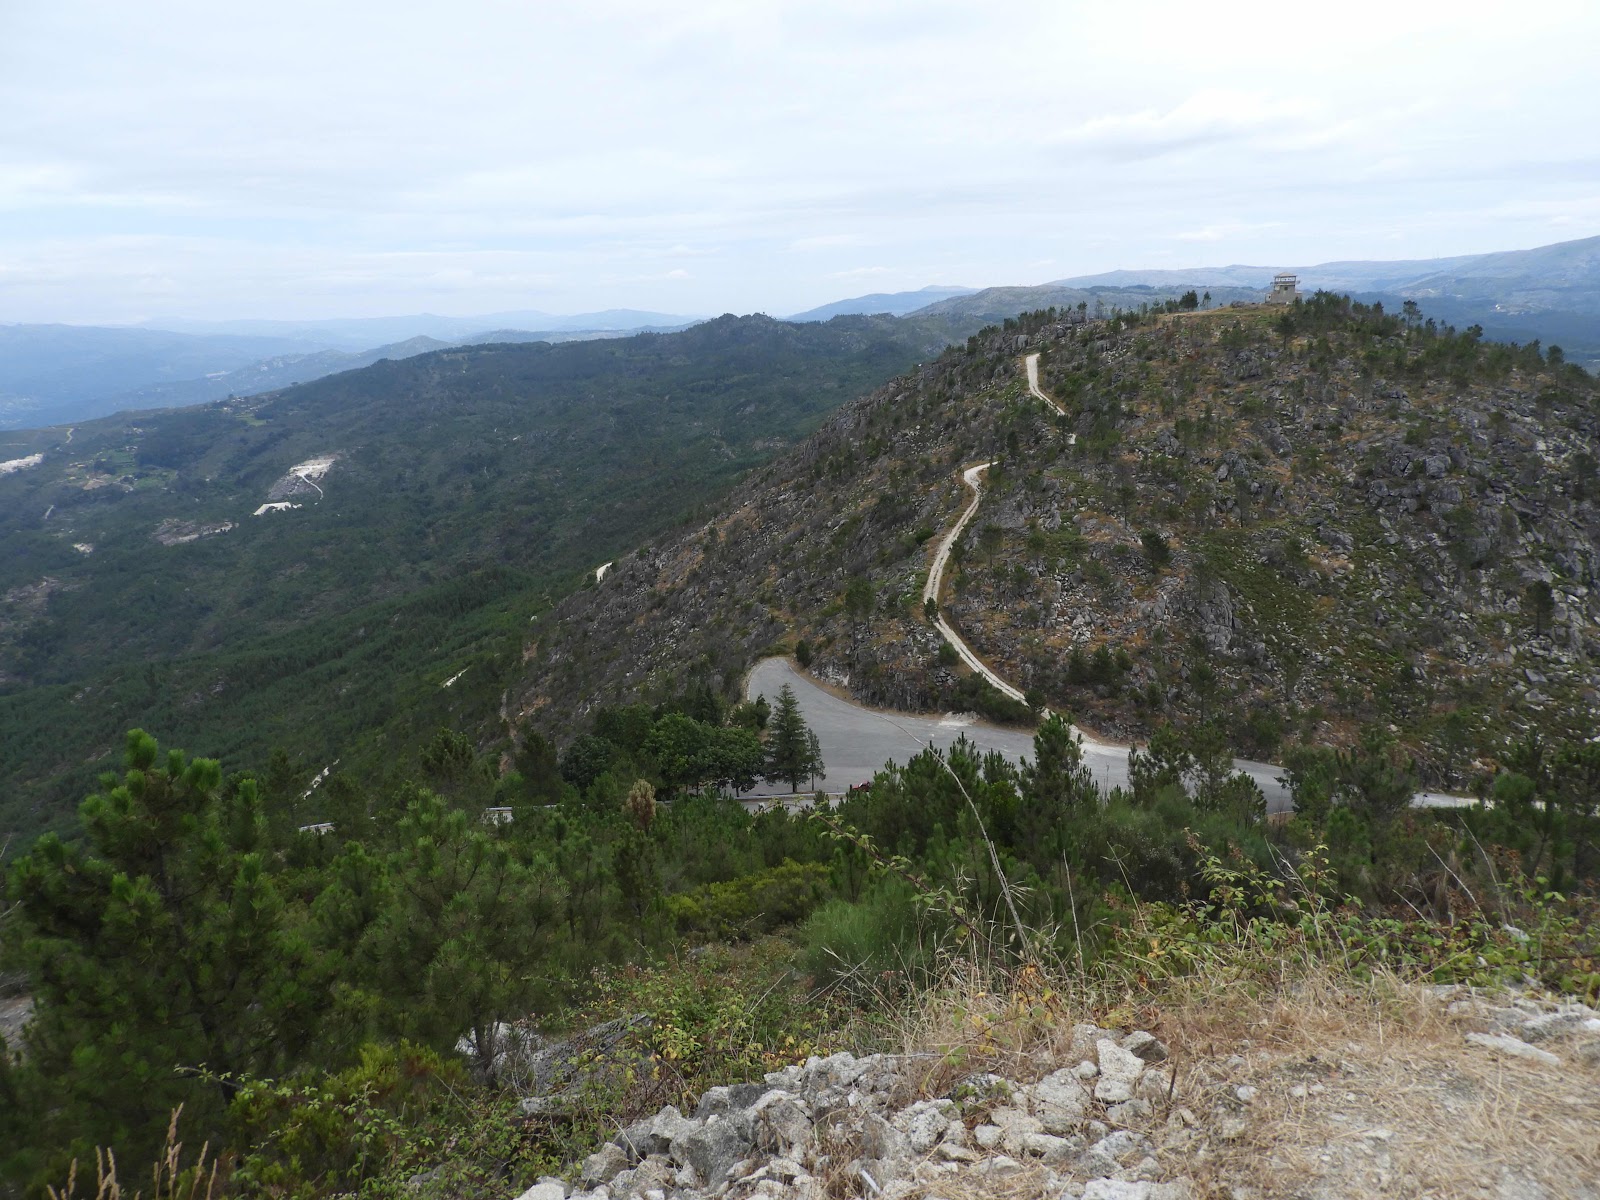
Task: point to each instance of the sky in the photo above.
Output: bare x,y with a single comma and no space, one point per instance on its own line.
292,159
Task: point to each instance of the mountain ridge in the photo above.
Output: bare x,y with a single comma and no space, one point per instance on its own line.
895,303
1342,585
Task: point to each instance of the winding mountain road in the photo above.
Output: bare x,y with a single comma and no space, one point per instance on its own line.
1032,365
936,580
941,559
857,741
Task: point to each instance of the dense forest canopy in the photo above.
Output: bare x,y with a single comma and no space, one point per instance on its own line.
470,488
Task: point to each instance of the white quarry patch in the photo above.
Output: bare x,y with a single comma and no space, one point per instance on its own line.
173,532
317,782
314,468
20,464
302,479
278,506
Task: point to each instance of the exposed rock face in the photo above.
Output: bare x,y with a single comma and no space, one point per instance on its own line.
1118,1124
1263,532
554,1076
848,1122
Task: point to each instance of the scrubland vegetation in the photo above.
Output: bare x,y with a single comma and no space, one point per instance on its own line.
351,1008
302,995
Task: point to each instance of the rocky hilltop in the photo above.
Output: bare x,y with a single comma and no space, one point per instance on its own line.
1297,523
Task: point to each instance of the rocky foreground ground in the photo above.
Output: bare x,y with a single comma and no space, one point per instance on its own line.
1398,1091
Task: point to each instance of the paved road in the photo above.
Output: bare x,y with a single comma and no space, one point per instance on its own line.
857,741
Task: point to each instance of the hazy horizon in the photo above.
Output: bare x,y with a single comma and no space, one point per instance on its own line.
295,162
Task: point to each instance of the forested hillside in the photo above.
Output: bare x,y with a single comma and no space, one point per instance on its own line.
450,971
1291,527
305,568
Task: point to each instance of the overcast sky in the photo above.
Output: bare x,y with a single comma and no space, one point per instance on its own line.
293,159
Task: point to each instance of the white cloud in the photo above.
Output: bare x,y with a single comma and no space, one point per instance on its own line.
1204,118
189,158
826,241
1225,231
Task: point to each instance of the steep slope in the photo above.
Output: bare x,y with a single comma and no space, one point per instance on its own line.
306,566
1298,530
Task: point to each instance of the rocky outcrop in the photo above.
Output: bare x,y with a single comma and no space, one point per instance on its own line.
560,1075
1107,1115
867,1126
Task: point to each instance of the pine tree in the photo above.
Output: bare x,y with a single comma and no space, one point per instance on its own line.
456,950
641,804
157,942
793,753
1057,780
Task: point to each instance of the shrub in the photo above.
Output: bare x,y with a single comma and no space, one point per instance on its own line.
753,904
880,940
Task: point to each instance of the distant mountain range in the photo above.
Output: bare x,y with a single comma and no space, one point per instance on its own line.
896,304
56,374
1551,293
1564,275
358,333
996,304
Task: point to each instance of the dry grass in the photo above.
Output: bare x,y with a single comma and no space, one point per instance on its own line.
1364,1088
1028,1183
169,1178
1368,1089
977,1019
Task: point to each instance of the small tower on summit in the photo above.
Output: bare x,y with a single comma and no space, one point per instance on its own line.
1285,288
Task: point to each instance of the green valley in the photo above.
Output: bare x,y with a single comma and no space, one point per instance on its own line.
143,580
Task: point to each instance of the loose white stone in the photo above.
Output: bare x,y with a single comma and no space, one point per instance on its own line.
1119,1071
1059,1101
1513,1048
1116,1189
